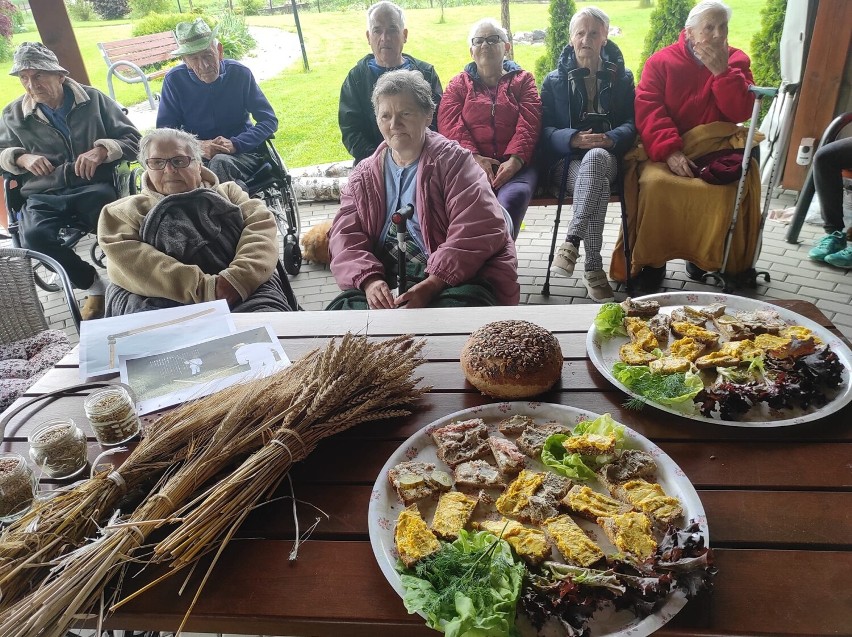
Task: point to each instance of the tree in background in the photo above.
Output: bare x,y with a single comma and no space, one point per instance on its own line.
667,21
8,14
557,36
111,9
506,24
766,46
141,8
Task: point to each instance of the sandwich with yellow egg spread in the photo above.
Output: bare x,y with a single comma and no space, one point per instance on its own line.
722,364
473,555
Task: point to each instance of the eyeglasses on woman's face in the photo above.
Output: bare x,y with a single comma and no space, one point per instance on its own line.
157,163
490,40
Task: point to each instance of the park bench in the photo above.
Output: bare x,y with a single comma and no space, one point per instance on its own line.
125,59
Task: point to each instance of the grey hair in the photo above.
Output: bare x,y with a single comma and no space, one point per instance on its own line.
589,12
703,7
169,135
488,22
403,81
382,7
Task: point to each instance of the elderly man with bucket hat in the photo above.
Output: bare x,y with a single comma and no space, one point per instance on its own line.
60,139
212,98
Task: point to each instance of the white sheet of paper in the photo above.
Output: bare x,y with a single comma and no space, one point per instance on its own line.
103,341
180,374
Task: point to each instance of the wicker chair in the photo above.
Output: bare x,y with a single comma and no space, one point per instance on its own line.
28,347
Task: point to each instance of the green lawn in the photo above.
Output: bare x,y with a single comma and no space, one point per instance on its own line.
306,103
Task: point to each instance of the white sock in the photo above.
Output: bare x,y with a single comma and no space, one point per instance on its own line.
98,288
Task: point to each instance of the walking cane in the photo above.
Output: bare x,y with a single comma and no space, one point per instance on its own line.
400,218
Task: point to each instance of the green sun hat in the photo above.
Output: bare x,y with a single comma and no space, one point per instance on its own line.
193,37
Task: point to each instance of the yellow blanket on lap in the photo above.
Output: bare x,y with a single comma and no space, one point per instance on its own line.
671,217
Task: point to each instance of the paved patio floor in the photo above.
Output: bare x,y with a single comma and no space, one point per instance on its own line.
792,274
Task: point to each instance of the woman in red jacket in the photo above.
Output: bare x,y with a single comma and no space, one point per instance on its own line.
697,80
492,109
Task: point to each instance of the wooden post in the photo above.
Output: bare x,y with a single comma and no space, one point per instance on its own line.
820,83
504,19
54,29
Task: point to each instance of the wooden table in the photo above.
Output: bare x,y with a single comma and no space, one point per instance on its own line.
778,501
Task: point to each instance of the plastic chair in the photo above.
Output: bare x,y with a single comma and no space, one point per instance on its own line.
808,190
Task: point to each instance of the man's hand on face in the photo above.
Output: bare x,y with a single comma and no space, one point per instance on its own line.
89,161
212,147
36,164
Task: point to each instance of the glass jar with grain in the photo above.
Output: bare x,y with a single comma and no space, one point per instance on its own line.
17,487
58,448
112,415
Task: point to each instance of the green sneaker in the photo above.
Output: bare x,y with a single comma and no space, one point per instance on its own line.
841,259
829,244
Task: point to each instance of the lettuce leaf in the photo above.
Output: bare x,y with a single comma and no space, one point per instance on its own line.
468,588
570,465
610,320
603,425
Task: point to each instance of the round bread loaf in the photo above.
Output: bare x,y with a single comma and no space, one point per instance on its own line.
512,359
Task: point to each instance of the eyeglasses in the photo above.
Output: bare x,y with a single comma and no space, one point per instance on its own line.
156,163
491,40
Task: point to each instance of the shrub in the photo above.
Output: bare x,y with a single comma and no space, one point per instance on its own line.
234,36
557,36
111,9
8,13
141,8
82,11
251,7
766,45
159,22
667,20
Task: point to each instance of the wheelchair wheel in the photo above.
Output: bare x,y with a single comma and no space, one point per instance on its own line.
97,254
292,256
46,278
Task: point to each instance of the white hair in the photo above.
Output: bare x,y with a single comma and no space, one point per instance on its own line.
385,7
190,141
487,22
703,7
589,12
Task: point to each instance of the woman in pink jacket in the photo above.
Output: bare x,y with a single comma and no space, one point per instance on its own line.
492,108
458,249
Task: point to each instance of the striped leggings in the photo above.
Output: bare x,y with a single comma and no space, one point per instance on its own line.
589,180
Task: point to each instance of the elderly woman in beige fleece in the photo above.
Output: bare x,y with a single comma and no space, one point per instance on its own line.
187,238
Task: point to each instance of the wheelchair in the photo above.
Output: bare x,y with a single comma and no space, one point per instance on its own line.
126,181
272,183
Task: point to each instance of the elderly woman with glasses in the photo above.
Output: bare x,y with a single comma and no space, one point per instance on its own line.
587,126
187,238
492,108
456,245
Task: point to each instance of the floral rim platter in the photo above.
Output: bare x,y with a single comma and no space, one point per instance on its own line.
385,507
604,353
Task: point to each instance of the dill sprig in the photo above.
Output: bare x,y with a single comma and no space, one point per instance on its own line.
655,386
452,570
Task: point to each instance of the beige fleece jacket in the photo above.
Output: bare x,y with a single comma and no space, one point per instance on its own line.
142,269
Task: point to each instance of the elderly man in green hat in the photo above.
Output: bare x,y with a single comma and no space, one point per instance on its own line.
60,139
213,98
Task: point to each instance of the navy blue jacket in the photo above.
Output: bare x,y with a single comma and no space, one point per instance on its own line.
564,99
220,108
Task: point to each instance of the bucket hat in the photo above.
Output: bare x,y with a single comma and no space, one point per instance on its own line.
36,56
193,37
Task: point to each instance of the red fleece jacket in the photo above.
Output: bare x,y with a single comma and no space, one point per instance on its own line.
678,93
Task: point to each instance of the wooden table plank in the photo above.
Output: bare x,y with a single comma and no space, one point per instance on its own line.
357,600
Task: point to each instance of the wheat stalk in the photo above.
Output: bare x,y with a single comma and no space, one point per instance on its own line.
280,418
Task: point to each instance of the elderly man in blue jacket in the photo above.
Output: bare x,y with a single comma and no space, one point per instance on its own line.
212,98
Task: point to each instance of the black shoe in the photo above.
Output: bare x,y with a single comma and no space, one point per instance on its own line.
651,278
694,272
